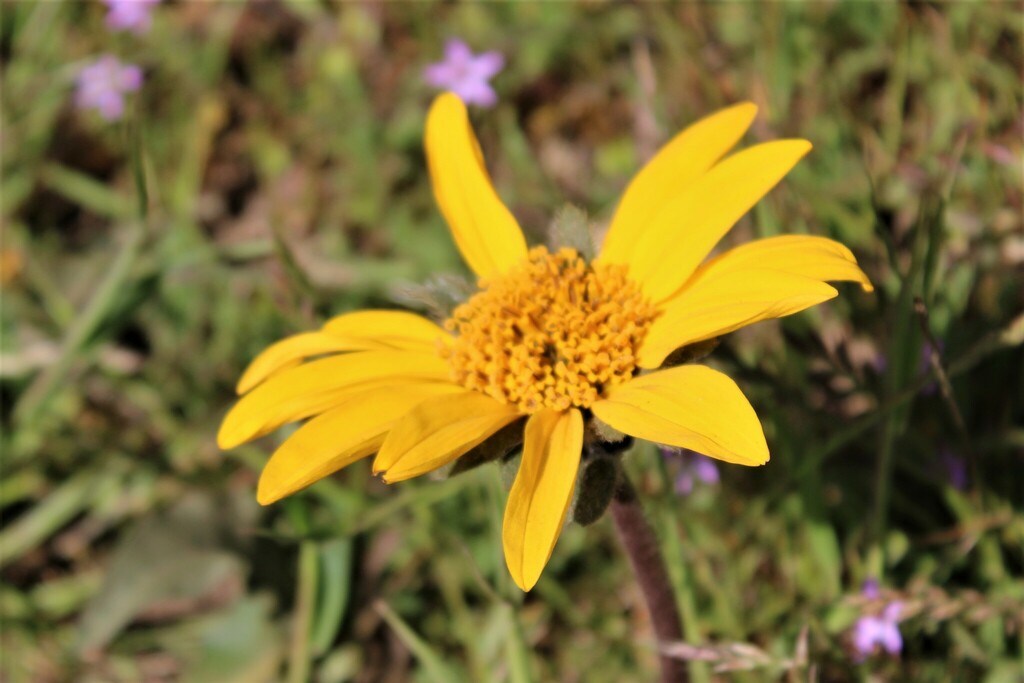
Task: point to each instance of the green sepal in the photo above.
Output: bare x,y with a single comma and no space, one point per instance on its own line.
571,228
595,488
440,295
690,353
501,444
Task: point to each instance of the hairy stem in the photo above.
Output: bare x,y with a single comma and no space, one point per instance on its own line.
637,537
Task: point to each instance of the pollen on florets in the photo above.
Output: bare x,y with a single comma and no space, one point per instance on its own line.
552,333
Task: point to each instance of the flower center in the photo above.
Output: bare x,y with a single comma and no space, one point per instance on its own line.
552,333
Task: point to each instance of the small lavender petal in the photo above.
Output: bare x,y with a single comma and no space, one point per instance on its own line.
110,106
457,52
889,637
487,65
479,93
684,483
865,635
706,469
870,589
438,75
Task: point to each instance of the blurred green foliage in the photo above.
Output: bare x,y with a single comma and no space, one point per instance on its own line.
275,152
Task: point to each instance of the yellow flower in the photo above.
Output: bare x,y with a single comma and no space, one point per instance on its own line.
549,337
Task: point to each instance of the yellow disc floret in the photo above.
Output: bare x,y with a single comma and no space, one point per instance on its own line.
552,333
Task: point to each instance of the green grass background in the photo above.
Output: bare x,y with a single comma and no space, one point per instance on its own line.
271,174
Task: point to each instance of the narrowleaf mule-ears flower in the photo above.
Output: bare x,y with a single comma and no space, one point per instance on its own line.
550,337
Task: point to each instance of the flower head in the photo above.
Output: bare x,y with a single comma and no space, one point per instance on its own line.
466,74
102,84
549,340
130,15
872,632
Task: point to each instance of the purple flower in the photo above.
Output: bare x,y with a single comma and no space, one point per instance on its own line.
466,74
129,15
955,469
694,467
872,631
883,630
102,84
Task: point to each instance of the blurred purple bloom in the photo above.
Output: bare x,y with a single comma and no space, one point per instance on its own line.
870,632
880,363
102,84
694,467
466,74
129,15
705,469
955,469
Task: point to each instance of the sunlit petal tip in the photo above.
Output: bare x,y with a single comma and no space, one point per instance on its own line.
865,283
234,431
724,299
267,491
662,260
677,165
690,406
744,113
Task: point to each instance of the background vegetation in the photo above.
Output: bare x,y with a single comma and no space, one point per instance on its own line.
279,146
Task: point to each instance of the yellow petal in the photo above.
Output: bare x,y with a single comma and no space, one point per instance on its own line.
690,406
353,430
314,387
684,159
439,430
725,301
541,493
683,232
484,229
818,258
290,351
397,329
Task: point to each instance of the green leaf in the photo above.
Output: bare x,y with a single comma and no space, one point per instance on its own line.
433,664
169,557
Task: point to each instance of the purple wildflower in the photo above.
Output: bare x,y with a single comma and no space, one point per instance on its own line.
955,469
102,85
872,631
883,630
129,15
466,74
694,467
